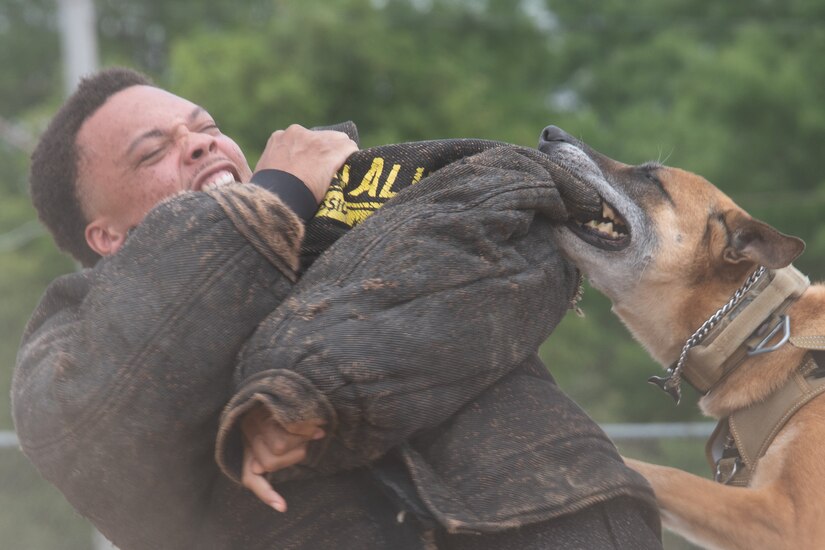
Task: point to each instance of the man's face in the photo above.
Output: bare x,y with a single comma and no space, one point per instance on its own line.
141,146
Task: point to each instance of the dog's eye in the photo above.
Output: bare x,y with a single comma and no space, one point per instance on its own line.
652,177
648,171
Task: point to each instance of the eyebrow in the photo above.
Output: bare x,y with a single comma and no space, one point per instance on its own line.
157,132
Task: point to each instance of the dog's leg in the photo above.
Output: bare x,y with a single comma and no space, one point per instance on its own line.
720,516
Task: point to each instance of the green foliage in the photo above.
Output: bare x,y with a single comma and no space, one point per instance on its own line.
29,55
138,33
386,68
595,359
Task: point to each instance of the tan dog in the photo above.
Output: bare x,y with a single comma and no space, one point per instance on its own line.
680,262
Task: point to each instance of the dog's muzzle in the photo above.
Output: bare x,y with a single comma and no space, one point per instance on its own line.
571,169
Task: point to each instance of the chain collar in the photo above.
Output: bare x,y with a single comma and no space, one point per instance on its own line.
574,301
671,383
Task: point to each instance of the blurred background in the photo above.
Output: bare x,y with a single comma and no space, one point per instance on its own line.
730,90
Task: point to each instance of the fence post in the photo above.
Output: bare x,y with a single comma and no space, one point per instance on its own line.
99,542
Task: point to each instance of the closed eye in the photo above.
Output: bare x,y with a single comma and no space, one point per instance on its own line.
151,155
650,171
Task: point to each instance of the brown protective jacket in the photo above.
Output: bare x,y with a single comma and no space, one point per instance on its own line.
415,335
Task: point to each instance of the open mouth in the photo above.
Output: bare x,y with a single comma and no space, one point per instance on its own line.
609,231
217,178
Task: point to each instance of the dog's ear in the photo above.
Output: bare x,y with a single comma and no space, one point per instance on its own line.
757,242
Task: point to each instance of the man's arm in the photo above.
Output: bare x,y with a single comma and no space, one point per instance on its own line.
124,368
297,166
411,315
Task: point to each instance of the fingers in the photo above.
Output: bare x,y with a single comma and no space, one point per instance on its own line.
258,484
308,429
271,442
269,447
312,156
275,446
276,454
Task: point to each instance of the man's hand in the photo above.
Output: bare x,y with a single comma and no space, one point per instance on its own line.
313,156
269,447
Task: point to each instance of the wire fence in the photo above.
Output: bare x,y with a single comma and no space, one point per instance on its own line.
8,440
663,430
616,432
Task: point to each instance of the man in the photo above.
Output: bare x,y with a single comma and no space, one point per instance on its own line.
195,327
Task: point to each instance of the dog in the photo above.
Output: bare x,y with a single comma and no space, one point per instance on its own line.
712,295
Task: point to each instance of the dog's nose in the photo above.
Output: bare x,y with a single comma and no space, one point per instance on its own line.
581,199
554,133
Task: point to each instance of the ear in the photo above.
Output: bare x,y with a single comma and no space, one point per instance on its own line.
757,242
104,238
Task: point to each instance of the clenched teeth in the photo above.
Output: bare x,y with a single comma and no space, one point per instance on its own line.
610,226
607,212
219,178
602,227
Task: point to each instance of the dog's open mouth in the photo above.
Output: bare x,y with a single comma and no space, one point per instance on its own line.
608,231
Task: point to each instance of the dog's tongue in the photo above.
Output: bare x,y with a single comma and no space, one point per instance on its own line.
580,198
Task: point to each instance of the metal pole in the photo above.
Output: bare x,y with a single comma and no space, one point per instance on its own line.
101,543
8,440
78,38
664,430
618,432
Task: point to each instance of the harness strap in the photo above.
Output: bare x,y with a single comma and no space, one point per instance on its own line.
811,342
740,440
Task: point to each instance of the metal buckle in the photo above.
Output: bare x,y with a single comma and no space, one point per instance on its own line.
784,323
717,477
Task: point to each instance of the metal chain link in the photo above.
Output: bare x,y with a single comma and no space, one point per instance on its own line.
674,378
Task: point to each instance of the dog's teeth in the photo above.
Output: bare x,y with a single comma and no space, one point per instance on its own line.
607,212
601,227
606,228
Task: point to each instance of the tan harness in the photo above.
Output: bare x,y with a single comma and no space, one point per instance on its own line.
740,440
753,322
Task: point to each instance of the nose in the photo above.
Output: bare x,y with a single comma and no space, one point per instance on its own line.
199,144
552,134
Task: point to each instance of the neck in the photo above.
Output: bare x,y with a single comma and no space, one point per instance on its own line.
751,328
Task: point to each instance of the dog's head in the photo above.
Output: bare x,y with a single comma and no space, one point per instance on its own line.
668,249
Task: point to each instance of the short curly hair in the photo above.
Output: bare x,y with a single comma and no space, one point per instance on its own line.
54,163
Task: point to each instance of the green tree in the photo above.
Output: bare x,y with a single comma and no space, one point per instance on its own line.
386,67
730,94
30,84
